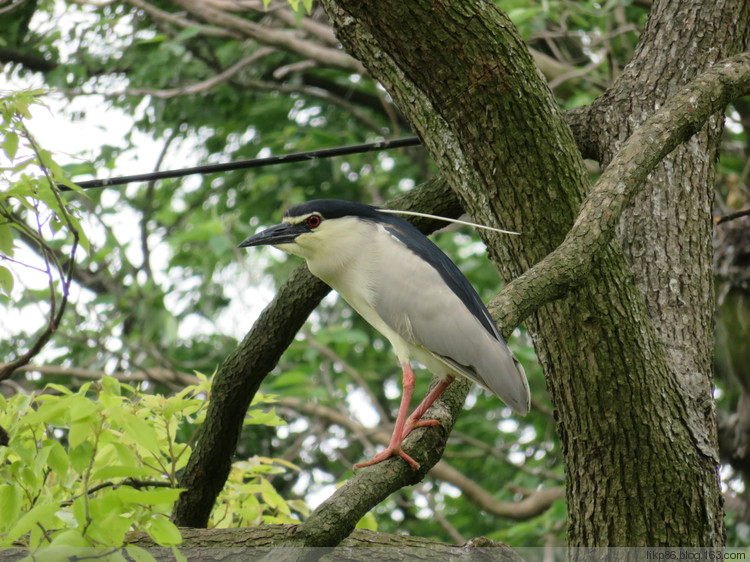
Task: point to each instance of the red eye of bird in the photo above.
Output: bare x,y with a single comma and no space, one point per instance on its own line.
313,221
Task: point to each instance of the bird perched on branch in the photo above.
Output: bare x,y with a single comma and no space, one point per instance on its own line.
408,290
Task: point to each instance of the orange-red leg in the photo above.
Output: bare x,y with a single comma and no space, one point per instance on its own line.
404,426
394,447
415,419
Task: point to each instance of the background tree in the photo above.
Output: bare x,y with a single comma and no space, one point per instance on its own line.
626,347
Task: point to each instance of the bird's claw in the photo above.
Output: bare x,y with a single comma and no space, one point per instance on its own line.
387,453
395,450
412,425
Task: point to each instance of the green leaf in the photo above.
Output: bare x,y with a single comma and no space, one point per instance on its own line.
10,505
295,377
187,33
6,280
259,417
30,477
10,144
119,471
139,554
148,497
367,522
71,539
58,458
79,510
164,532
274,500
81,408
40,462
6,240
111,385
59,388
20,447
40,513
79,432
301,507
107,525
80,456
141,432
51,411
183,405
125,454
78,168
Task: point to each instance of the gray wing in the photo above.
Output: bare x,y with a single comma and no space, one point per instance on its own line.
414,299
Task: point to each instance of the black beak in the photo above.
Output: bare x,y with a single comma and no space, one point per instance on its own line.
283,233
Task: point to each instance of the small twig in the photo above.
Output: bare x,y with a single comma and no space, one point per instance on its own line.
205,85
351,371
11,260
149,206
732,216
56,313
441,519
11,7
132,482
489,450
182,22
87,475
283,39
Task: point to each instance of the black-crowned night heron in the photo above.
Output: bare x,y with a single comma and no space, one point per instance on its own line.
408,290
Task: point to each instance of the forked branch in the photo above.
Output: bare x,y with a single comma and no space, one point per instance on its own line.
684,114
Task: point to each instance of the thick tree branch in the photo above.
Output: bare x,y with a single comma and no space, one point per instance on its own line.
673,123
360,545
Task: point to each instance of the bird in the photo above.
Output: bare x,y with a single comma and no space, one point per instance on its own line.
403,285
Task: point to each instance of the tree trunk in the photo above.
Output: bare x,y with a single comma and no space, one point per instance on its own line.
625,354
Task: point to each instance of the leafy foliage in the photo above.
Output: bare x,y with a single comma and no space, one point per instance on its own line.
86,468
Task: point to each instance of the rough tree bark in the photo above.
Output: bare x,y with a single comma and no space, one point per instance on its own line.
633,408
625,350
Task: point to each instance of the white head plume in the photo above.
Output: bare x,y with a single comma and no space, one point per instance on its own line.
445,219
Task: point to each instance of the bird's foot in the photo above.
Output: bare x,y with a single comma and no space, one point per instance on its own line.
410,425
389,452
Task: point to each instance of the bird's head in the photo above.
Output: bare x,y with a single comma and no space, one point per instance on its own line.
314,227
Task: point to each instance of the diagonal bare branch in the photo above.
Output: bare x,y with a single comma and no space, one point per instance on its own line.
202,86
282,39
180,21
